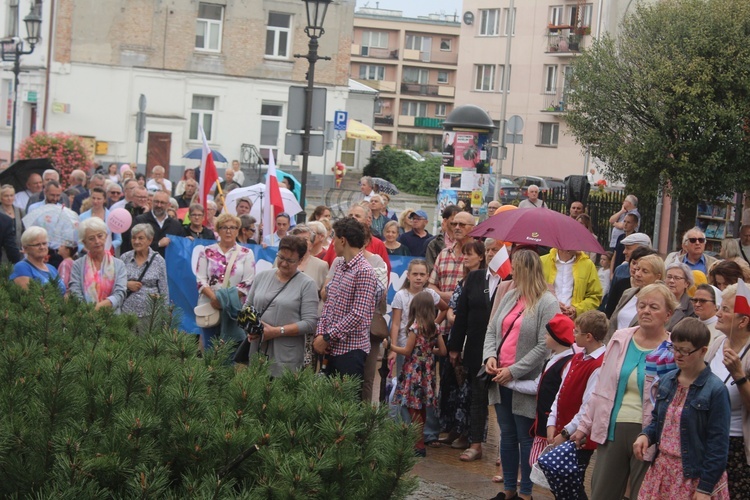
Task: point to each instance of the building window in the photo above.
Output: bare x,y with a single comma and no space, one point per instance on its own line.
446,44
270,124
11,23
501,77
375,39
548,134
485,77
508,20
208,27
202,113
442,77
371,72
585,15
440,109
416,75
413,108
378,110
556,15
489,22
278,33
550,79
418,42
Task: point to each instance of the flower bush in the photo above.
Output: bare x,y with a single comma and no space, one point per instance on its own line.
65,151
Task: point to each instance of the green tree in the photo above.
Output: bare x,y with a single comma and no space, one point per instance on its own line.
409,175
667,103
91,411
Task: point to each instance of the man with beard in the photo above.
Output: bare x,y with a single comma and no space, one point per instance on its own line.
162,224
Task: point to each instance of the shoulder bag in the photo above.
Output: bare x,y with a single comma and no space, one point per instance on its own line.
206,315
143,273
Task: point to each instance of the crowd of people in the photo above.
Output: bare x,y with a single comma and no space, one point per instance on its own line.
642,359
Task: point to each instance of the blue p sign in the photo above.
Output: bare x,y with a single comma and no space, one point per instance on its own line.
340,118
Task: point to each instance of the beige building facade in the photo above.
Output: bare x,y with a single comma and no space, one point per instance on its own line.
413,65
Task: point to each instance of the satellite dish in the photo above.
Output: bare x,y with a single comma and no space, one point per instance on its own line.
468,18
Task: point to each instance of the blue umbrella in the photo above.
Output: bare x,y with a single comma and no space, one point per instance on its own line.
197,154
296,186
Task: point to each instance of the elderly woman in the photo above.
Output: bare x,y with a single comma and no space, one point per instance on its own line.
147,275
98,209
643,272
7,198
247,230
679,278
312,266
35,245
729,359
225,272
725,273
288,302
706,303
390,235
195,228
514,350
97,277
621,402
320,243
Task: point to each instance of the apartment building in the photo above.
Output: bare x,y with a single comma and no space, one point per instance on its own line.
545,38
412,63
225,64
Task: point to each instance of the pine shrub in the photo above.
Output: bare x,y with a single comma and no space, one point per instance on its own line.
89,410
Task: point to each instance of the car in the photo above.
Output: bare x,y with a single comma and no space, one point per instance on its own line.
509,190
413,154
544,183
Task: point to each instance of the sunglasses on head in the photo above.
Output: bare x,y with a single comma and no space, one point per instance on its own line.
697,240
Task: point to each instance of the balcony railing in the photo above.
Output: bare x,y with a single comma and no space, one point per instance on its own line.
384,120
564,43
555,103
377,53
419,89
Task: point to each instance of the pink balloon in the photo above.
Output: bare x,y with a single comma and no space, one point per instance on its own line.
119,220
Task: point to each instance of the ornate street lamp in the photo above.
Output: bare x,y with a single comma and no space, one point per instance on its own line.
316,14
12,50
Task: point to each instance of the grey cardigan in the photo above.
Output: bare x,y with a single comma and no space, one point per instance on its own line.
119,291
530,350
298,303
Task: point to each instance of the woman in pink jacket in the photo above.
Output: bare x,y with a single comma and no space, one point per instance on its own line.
620,405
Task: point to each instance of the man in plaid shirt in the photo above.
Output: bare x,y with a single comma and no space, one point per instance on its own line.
449,265
344,326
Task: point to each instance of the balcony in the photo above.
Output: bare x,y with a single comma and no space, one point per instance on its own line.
373,52
555,104
381,85
425,122
564,43
419,89
386,121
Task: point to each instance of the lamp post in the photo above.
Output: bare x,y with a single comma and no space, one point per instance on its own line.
316,14
12,51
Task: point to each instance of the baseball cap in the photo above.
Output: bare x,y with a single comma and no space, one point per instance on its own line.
637,239
419,213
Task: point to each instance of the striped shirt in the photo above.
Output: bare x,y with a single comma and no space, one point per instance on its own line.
347,314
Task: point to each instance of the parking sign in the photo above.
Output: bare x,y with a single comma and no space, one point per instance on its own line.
340,118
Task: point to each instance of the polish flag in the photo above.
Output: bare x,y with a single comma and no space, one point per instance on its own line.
209,176
742,300
273,205
500,263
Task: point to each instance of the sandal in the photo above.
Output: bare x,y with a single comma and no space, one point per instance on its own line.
470,454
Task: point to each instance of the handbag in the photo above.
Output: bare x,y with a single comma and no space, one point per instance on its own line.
206,315
537,474
249,320
143,273
379,326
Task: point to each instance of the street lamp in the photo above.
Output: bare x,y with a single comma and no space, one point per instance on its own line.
12,51
316,14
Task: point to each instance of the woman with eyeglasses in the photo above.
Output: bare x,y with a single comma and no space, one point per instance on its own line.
729,359
678,279
288,301
689,426
643,272
706,303
225,273
35,245
247,230
621,404
195,230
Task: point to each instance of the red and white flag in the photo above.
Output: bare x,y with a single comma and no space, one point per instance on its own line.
209,176
500,263
273,205
742,300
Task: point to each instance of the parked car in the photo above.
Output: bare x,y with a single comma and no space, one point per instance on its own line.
413,154
509,190
544,183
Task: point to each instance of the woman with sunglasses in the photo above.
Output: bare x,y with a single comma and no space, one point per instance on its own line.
678,279
689,426
729,359
706,303
35,245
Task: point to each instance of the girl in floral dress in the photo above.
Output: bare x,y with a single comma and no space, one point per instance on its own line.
416,382
690,425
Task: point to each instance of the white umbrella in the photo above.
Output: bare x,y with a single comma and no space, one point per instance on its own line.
61,224
256,194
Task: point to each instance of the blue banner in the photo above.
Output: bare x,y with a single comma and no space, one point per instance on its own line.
182,260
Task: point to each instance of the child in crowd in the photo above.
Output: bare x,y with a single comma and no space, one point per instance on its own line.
690,425
579,380
604,271
416,382
68,254
559,339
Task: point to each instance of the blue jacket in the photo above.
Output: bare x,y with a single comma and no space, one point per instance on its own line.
704,426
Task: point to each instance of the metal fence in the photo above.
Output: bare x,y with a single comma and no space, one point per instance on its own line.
600,206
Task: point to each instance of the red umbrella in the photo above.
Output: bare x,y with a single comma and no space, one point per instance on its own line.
538,226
